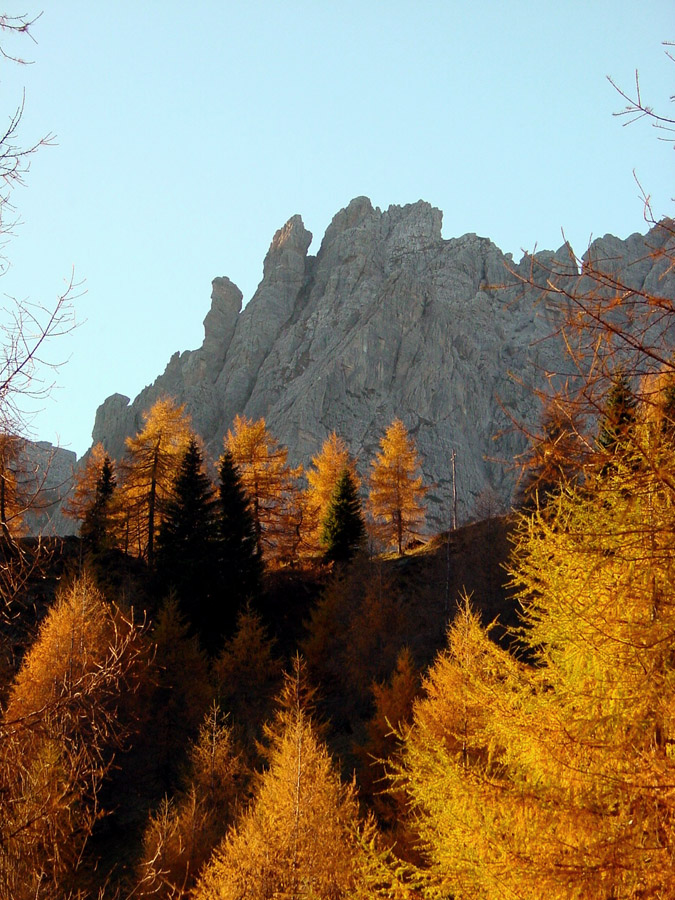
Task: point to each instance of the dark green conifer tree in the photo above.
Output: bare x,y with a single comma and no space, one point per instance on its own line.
174,701
344,530
96,528
247,674
239,558
187,549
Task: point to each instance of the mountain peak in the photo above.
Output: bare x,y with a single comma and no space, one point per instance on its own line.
388,321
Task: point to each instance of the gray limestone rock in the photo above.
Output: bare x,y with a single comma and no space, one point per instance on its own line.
219,324
389,319
46,478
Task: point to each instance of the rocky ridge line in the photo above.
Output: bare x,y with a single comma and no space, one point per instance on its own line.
388,319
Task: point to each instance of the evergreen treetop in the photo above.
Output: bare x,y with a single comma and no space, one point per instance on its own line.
344,530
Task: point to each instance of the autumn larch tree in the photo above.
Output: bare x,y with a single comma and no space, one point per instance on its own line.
182,833
552,460
11,505
59,732
619,415
343,530
322,476
555,779
300,835
27,327
150,468
91,499
269,483
84,483
396,489
449,777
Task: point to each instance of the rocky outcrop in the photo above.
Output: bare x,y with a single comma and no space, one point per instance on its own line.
388,319
45,477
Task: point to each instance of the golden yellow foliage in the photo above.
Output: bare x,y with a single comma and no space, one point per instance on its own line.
58,736
270,484
149,470
11,505
326,468
556,781
448,768
84,484
181,835
300,836
396,489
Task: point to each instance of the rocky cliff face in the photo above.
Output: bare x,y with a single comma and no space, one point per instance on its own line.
46,474
388,319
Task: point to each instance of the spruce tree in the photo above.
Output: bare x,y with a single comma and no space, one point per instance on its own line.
239,557
246,676
344,530
187,559
95,530
322,476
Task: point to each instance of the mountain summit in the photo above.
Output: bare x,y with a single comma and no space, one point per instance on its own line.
388,320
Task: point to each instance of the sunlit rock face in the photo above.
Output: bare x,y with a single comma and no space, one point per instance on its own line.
388,320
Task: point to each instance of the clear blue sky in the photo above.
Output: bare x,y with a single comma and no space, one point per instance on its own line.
188,133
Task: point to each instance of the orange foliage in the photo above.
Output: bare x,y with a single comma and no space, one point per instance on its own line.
396,490
58,734
181,835
322,477
153,459
84,484
270,484
11,505
299,837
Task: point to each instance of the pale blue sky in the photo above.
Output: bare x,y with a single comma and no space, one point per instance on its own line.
188,133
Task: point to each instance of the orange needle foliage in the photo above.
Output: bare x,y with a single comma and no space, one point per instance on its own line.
270,484
153,459
84,484
558,780
299,837
58,736
322,477
396,489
